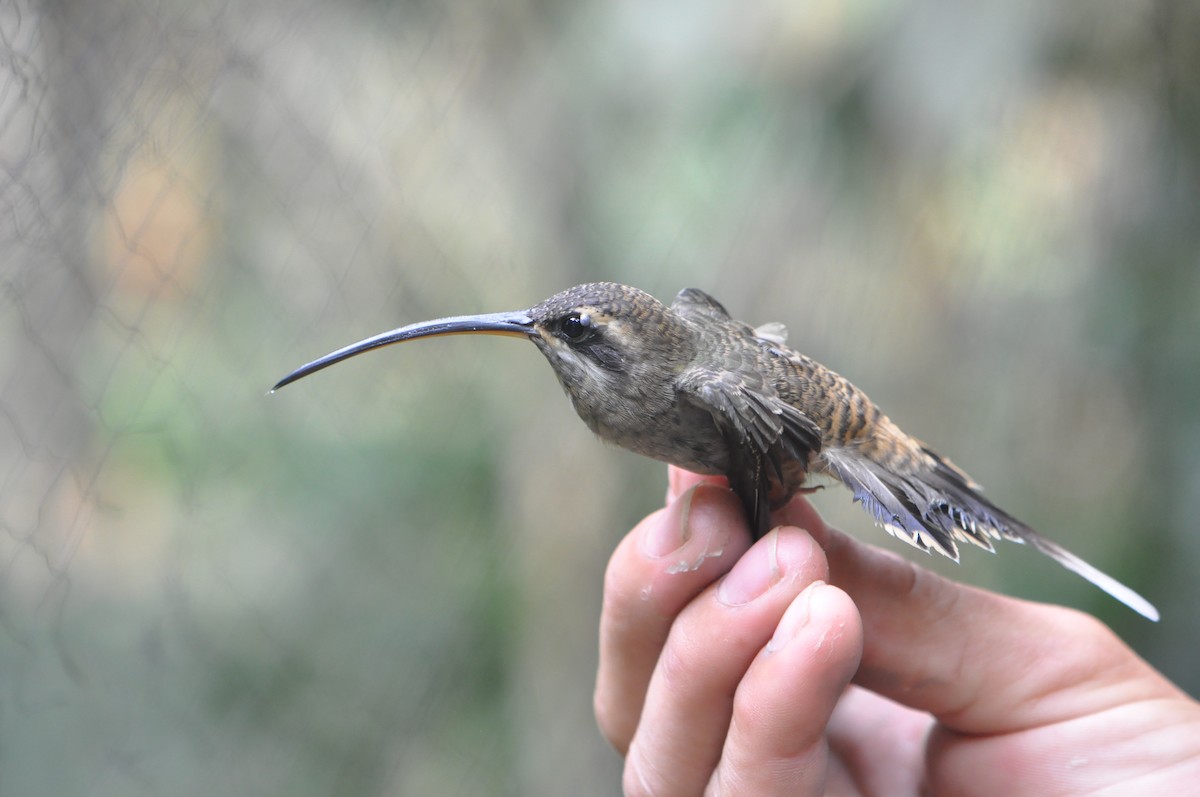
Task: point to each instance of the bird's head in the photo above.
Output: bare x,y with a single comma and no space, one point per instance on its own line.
609,337
601,338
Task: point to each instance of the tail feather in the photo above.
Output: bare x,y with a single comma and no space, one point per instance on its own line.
1101,579
928,512
936,506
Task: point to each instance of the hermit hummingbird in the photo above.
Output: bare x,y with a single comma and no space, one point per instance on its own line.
689,385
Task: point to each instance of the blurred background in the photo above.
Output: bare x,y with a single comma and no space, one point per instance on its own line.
386,579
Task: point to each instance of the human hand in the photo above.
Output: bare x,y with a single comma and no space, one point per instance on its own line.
811,664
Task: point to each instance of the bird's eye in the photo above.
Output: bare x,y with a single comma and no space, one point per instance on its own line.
576,328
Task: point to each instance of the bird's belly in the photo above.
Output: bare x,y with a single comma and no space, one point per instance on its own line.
692,443
697,453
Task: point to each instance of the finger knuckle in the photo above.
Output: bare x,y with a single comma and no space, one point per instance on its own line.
746,714
619,596
638,779
610,720
678,662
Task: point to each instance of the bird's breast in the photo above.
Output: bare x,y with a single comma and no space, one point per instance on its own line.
677,434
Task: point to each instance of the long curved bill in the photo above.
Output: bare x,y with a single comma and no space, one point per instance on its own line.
517,324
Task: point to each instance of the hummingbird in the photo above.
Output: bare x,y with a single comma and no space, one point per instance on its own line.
691,386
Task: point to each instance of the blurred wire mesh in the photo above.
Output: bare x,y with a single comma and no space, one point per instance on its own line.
386,580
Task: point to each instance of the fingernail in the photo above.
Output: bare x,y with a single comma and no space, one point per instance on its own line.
753,574
795,618
674,529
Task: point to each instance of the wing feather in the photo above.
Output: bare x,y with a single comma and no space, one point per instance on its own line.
760,429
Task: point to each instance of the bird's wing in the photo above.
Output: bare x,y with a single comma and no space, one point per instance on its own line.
772,332
695,304
759,428
760,419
